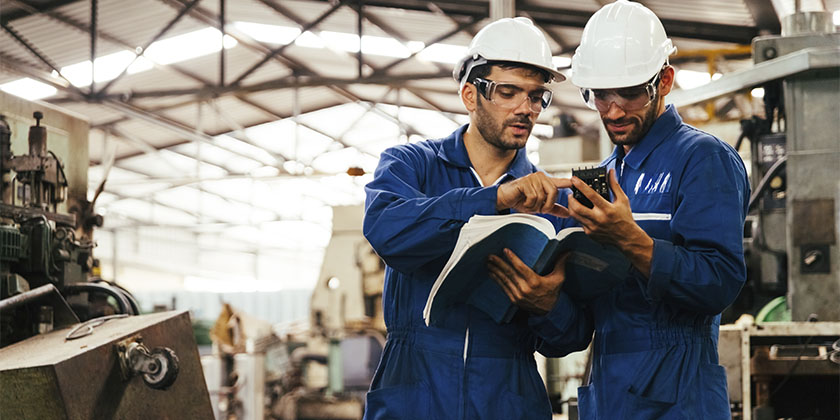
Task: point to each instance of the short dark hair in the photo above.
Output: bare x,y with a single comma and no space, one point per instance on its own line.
484,70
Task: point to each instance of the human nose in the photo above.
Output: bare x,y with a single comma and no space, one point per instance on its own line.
614,112
525,107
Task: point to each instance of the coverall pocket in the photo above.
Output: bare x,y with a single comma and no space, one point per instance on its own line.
511,406
715,404
401,402
637,407
587,408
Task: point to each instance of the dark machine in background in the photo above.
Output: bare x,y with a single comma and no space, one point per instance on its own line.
784,361
73,346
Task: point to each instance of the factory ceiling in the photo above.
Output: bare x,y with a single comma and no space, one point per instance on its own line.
241,133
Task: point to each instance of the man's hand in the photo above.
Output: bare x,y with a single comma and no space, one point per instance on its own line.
534,193
524,287
613,223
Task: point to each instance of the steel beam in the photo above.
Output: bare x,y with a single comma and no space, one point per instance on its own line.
281,83
764,16
43,7
34,51
304,27
222,16
777,68
94,12
547,16
462,26
143,49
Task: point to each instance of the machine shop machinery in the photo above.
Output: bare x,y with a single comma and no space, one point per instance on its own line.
319,370
73,346
787,363
46,255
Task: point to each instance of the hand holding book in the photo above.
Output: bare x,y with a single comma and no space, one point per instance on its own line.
527,289
590,269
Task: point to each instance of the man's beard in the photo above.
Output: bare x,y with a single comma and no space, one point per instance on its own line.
641,128
493,132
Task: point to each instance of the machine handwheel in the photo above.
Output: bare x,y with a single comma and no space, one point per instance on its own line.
165,368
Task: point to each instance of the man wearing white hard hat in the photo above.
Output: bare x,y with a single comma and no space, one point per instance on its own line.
467,366
680,198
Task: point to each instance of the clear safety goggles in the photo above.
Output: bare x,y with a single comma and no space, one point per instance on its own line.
631,98
512,95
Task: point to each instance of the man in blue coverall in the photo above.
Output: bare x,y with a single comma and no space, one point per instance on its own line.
680,199
468,367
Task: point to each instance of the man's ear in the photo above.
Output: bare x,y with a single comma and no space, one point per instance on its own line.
469,96
666,82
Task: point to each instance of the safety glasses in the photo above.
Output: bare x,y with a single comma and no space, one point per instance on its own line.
512,95
631,98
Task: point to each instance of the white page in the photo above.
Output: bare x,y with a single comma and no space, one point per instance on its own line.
476,229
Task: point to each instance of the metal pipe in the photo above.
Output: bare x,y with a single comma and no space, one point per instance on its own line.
93,19
222,51
123,303
359,54
26,297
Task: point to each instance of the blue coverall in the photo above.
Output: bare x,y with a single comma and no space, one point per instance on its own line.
655,346
468,367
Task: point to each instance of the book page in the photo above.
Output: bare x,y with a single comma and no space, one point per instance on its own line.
566,232
476,229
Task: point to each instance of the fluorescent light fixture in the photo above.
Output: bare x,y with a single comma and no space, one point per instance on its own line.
443,53
561,61
757,92
690,79
189,45
27,88
269,34
108,67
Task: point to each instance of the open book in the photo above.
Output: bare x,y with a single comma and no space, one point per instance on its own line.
591,269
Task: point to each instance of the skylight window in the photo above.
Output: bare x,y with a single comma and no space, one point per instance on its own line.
339,41
310,40
375,45
443,53
269,34
690,79
108,67
27,88
187,46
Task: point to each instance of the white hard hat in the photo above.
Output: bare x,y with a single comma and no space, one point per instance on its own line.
508,39
623,44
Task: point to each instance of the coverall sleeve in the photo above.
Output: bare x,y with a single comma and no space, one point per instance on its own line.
566,329
409,228
703,268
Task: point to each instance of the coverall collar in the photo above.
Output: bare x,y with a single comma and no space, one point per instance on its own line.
454,152
664,125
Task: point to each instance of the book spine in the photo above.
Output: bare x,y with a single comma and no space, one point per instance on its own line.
545,262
